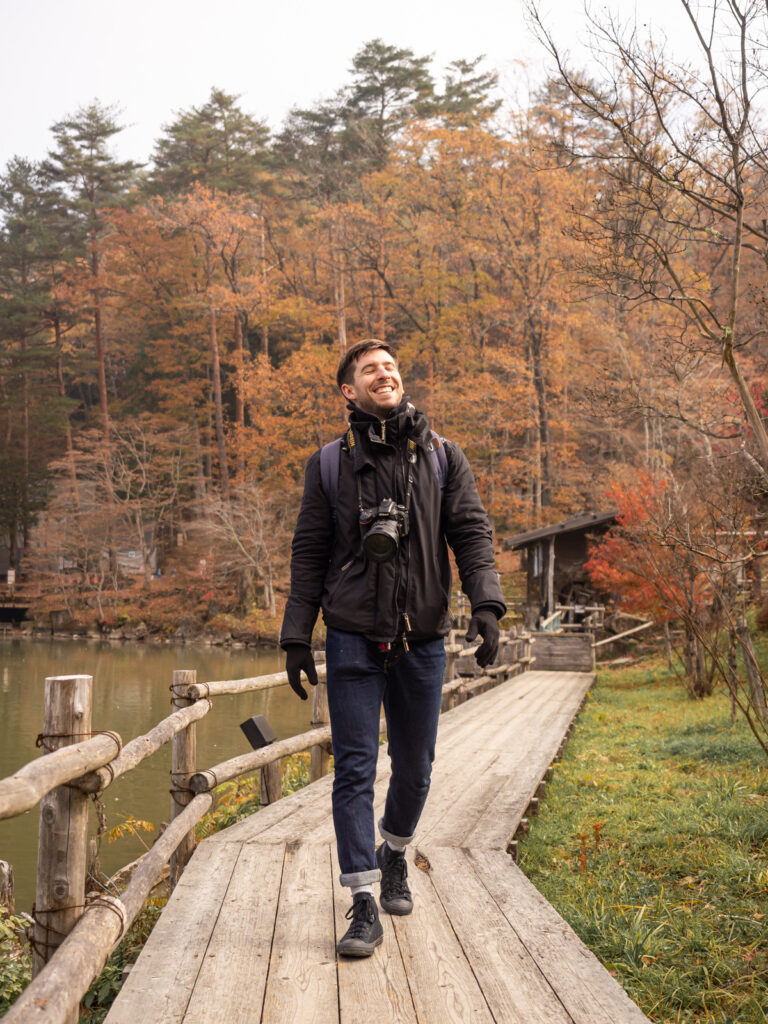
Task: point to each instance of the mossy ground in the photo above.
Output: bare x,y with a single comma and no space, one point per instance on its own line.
652,842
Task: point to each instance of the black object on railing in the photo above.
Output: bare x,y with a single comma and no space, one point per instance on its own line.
258,732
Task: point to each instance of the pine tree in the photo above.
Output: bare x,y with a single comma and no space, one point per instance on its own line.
91,181
32,420
217,146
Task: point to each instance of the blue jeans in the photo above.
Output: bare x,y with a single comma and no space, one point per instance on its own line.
410,684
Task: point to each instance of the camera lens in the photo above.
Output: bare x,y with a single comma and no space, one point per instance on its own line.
381,541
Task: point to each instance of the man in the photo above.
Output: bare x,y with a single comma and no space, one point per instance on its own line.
370,550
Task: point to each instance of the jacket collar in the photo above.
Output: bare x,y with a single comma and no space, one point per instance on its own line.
404,422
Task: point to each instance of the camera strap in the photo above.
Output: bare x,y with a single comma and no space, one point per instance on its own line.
412,456
330,464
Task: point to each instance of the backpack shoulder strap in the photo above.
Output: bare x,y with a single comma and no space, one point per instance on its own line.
330,468
330,455
439,459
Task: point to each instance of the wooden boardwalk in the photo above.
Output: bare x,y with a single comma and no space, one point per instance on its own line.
249,934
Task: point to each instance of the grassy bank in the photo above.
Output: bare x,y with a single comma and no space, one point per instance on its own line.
652,842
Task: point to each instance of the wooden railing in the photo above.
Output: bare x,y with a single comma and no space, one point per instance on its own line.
73,932
551,624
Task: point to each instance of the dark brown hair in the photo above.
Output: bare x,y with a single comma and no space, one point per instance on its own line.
346,368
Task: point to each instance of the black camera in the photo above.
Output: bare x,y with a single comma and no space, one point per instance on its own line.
386,525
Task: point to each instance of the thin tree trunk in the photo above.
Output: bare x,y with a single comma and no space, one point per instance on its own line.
99,338
67,425
668,646
264,290
754,677
201,483
542,413
338,292
216,380
239,402
732,670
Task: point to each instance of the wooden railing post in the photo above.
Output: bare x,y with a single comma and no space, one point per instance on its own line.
7,900
183,755
319,758
271,786
450,657
63,835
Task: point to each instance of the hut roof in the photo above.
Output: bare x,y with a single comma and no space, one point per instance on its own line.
581,521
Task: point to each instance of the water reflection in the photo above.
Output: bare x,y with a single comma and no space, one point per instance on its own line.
130,695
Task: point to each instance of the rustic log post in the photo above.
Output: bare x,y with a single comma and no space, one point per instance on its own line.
319,757
461,602
271,783
6,887
450,659
551,577
63,835
183,755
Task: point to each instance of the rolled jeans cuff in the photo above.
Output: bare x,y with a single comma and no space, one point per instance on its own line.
360,878
400,840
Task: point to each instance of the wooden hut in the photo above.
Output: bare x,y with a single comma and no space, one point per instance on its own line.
554,558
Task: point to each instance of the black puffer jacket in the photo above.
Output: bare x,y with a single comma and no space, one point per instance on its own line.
408,596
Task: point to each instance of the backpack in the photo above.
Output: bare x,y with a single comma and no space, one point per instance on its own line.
330,454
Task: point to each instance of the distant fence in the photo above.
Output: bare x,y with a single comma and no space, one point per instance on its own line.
73,932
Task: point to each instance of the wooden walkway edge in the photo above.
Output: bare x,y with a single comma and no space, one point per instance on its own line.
249,933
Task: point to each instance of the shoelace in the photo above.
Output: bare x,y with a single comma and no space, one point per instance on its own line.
361,914
396,884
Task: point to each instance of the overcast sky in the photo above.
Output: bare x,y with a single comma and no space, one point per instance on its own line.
156,57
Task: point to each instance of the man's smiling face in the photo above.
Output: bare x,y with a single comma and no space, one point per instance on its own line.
376,386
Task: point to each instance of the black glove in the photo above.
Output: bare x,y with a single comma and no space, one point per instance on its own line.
298,658
485,623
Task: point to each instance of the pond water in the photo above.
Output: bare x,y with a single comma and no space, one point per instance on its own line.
130,695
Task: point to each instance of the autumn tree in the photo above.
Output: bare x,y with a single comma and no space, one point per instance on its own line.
682,553
681,219
150,466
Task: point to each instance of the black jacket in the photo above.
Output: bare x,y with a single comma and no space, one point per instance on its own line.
408,596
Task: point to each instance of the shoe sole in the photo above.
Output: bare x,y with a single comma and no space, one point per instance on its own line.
396,908
361,949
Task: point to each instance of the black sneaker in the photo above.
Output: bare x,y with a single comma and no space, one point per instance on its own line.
395,896
365,933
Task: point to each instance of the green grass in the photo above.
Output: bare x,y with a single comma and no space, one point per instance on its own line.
652,842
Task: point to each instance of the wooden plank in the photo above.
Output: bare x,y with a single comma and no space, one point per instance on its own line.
441,815
233,976
513,985
306,815
252,827
373,988
586,989
498,820
443,987
301,984
159,986
466,782
466,747
297,827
